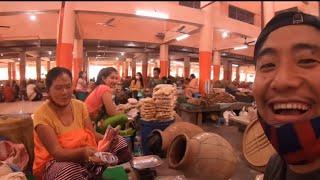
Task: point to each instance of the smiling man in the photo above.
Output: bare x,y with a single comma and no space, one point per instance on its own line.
287,93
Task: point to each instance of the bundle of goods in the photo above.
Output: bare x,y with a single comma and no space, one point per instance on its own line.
244,97
164,96
147,109
214,98
194,101
132,103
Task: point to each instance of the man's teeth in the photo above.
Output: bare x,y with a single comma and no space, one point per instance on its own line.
297,106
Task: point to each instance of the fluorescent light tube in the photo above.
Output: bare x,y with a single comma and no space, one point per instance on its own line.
183,36
150,13
241,47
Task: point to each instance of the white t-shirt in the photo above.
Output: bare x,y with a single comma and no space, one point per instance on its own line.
31,93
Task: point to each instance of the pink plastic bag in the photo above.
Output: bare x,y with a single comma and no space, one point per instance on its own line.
13,153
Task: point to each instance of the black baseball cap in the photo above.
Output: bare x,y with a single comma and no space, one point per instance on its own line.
281,20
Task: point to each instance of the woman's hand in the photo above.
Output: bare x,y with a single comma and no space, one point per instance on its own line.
91,157
105,143
88,152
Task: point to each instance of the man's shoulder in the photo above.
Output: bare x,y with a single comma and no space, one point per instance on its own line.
275,169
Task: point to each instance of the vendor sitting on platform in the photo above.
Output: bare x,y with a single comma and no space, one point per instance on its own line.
100,101
64,139
192,87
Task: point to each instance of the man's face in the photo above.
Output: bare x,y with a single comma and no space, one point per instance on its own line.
156,74
287,82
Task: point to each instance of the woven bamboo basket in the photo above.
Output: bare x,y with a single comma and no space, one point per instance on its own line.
256,147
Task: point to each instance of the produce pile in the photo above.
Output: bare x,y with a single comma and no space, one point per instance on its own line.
161,105
194,101
220,97
165,99
132,103
147,109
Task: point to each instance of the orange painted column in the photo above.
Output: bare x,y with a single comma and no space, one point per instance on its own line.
38,68
10,71
133,67
164,60
22,66
77,59
205,48
13,68
186,67
227,68
125,69
86,65
65,37
216,65
48,66
118,66
238,73
145,68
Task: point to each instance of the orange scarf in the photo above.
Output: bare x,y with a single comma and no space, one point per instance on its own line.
70,140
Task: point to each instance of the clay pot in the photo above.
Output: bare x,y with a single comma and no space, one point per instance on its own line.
174,130
204,156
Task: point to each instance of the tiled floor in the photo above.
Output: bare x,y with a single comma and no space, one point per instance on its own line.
230,133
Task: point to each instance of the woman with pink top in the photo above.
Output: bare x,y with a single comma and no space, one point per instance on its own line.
101,106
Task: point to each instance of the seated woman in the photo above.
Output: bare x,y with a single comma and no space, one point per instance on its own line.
192,87
64,139
100,101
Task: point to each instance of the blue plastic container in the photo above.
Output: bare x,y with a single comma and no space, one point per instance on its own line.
147,127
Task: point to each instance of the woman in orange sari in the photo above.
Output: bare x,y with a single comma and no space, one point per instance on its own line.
65,142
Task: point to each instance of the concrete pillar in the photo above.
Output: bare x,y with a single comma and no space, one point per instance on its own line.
238,73
145,68
150,70
13,69
38,68
227,67
267,12
78,58
216,65
86,65
205,48
10,71
48,66
186,72
65,36
133,67
125,68
22,66
164,60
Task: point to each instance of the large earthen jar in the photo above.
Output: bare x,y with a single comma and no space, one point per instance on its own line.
174,130
204,156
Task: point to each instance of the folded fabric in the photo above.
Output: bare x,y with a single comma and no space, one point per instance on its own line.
4,169
13,153
14,176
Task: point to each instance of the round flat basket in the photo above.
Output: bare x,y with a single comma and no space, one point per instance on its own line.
256,147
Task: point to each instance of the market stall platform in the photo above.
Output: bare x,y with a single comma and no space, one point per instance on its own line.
189,112
19,107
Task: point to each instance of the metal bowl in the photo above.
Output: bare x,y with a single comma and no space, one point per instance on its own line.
144,162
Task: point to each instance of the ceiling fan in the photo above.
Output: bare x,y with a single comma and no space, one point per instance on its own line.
5,27
107,23
99,46
250,43
161,35
146,49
